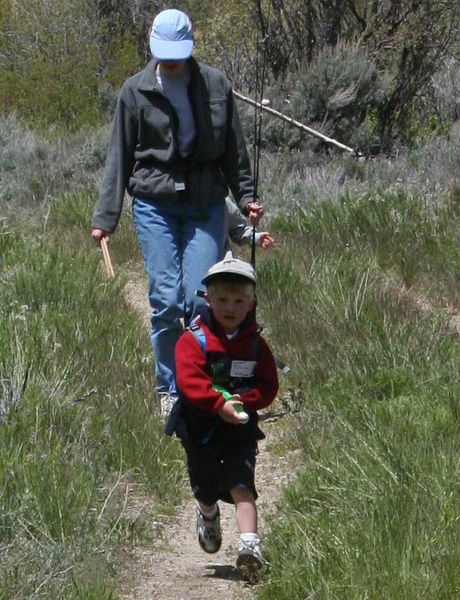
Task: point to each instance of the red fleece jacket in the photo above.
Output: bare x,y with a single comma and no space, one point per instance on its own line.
194,382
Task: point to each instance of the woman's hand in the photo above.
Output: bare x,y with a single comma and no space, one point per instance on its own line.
254,212
98,234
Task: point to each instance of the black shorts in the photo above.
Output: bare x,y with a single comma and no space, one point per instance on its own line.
215,468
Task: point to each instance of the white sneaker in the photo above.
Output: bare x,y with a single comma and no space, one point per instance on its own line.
209,532
167,401
249,560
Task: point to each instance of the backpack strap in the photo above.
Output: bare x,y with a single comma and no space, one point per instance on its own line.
255,344
198,332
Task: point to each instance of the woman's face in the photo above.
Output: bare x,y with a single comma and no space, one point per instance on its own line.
172,67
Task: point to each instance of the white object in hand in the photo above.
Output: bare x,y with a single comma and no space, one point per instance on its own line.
243,417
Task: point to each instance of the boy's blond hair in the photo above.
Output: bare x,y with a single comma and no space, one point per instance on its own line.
231,284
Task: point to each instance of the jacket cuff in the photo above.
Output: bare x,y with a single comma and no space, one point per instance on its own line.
243,203
218,404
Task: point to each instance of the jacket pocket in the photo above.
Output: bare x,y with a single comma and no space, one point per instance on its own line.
216,111
157,184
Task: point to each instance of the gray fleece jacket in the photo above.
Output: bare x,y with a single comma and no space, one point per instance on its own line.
143,156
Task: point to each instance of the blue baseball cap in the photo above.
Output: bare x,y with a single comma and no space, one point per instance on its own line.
171,37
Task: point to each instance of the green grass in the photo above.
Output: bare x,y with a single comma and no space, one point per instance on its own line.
416,237
373,387
77,422
375,381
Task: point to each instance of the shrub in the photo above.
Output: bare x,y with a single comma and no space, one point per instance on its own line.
33,168
58,59
335,95
442,101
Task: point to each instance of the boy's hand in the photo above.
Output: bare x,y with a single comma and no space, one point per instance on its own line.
266,240
228,413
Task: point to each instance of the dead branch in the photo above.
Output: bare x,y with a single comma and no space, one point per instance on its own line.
297,124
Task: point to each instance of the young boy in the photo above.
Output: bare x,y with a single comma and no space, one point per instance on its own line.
223,347
237,230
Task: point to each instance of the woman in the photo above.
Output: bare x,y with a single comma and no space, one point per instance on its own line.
176,147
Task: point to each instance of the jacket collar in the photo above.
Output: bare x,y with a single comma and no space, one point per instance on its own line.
148,81
247,327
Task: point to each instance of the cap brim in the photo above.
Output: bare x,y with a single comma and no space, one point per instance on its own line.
236,274
166,50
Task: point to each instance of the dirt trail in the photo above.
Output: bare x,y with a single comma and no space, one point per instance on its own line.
174,567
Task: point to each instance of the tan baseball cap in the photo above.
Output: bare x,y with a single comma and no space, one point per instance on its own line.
230,266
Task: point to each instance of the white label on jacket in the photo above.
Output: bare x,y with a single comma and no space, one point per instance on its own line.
242,368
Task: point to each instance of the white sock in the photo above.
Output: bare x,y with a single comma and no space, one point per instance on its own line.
250,538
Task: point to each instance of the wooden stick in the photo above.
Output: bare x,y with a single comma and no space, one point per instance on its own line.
106,256
297,124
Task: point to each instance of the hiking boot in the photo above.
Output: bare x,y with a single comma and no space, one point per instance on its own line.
167,401
249,560
209,531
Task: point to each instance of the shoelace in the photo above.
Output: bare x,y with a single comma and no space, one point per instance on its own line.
251,545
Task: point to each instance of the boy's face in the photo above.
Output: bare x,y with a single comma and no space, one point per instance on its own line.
229,306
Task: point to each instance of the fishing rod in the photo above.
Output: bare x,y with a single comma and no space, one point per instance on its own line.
259,91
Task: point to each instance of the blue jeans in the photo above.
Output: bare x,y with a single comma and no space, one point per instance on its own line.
178,248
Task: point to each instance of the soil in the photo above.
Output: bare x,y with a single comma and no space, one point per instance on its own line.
173,566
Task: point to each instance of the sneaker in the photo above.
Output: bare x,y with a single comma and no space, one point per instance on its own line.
167,401
249,560
209,531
